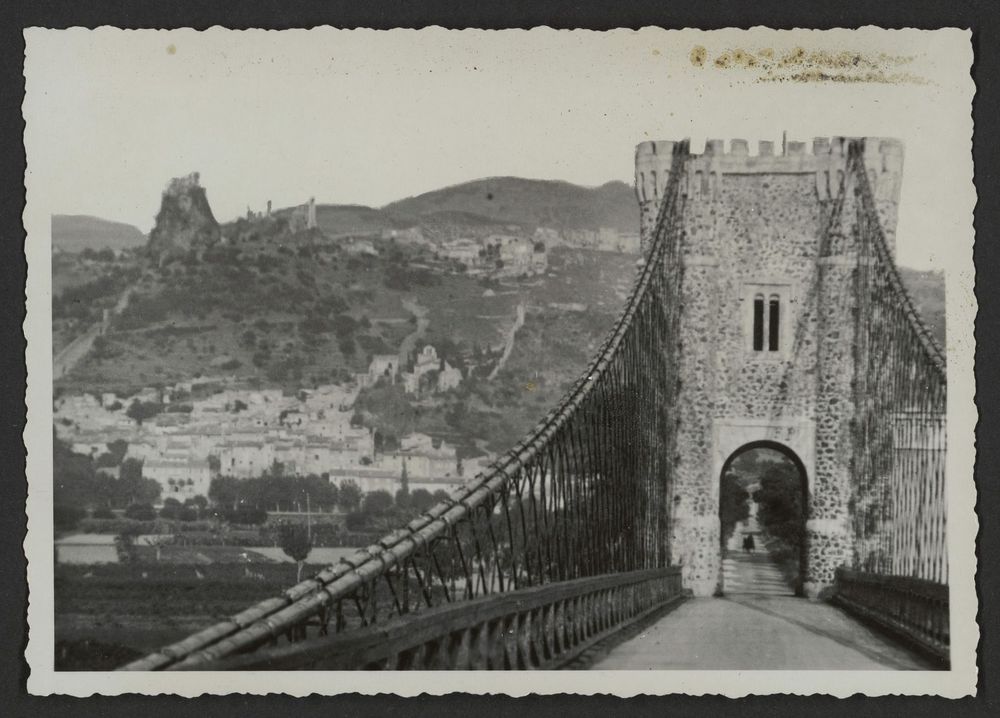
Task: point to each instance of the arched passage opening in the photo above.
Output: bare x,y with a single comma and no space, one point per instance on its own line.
763,505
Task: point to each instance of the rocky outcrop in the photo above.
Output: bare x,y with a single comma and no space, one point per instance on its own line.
185,220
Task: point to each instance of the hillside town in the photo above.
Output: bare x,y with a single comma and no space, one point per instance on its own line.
210,427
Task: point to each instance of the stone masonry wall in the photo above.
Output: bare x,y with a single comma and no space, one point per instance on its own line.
759,223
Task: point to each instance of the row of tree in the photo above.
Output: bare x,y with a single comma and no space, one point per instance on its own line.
79,489
273,491
77,485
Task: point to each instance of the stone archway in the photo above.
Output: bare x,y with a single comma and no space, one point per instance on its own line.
794,574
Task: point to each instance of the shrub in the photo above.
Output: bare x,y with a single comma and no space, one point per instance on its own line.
356,521
347,346
171,508
140,512
100,525
246,516
141,410
125,546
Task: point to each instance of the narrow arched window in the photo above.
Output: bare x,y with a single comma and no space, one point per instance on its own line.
773,323
758,323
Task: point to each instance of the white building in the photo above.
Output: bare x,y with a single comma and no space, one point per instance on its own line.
422,459
427,361
245,459
382,365
466,251
449,378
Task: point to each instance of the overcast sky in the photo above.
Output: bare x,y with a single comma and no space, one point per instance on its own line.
370,117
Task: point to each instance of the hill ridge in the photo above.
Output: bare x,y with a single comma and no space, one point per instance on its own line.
76,232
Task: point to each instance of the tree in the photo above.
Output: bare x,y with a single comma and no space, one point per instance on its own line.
141,410
171,508
158,542
349,496
105,461
118,448
224,491
421,500
133,488
781,507
377,502
74,482
296,544
65,518
347,346
733,506
125,545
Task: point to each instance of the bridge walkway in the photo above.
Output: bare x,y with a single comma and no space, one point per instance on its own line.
759,625
748,632
754,573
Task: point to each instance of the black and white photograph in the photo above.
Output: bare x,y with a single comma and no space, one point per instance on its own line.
636,361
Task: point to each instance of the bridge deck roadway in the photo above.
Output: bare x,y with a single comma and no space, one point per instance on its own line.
759,632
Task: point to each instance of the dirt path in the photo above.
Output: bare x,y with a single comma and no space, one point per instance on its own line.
509,344
70,355
411,305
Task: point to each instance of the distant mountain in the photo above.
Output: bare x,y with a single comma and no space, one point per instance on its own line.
355,219
540,203
76,232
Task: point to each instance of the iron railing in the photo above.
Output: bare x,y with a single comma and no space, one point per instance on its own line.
899,434
583,495
914,609
542,627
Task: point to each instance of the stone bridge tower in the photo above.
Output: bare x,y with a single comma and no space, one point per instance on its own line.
767,329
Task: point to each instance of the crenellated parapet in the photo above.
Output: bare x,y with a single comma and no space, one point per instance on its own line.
825,158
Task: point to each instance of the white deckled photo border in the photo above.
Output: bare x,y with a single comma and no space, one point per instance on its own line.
927,99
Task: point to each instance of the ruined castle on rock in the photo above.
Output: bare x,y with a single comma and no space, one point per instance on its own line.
185,220
767,329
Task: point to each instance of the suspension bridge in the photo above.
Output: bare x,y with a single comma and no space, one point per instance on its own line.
767,312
